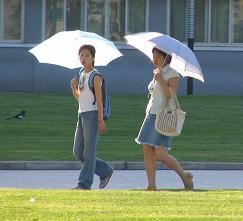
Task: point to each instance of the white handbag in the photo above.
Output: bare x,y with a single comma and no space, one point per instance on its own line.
169,122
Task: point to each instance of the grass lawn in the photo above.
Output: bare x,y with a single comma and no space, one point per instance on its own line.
212,131
120,205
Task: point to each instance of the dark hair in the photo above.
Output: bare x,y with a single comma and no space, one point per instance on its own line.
167,56
90,48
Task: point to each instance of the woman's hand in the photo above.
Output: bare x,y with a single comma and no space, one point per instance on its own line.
74,83
102,127
158,77
173,83
74,87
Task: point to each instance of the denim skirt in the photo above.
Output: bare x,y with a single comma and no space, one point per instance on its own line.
148,134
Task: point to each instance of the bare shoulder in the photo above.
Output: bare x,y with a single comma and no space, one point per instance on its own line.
98,77
97,80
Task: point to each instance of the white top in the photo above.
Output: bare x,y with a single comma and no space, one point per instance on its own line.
157,95
86,97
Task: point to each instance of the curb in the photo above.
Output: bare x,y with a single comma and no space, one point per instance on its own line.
75,165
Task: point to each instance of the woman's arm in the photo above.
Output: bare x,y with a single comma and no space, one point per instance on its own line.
173,83
99,100
74,87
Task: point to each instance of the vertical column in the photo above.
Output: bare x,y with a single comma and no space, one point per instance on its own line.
190,37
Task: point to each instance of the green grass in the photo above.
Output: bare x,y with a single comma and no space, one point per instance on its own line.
212,131
120,205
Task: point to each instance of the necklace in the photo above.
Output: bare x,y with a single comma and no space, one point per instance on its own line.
82,80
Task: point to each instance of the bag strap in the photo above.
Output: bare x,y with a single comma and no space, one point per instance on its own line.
173,98
91,82
80,72
91,78
77,73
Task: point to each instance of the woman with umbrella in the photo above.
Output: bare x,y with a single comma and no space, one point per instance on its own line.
90,122
155,145
90,117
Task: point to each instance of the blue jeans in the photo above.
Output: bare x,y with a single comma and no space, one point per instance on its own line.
84,148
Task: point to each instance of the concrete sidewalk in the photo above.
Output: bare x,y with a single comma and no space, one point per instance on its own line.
75,165
121,179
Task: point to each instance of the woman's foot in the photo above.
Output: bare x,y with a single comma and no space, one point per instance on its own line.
187,180
105,180
151,188
78,188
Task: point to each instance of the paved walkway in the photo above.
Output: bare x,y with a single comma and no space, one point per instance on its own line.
75,165
121,179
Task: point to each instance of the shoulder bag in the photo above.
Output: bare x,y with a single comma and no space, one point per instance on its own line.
169,122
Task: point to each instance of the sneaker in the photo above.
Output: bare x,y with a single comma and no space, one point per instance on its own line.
78,188
104,181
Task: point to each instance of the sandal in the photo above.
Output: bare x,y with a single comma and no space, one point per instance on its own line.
151,188
189,183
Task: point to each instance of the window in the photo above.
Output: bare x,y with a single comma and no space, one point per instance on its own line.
178,19
109,18
220,21
137,12
116,20
75,14
216,21
54,17
201,21
11,13
96,16
238,21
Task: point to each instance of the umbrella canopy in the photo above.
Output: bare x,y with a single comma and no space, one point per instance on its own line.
62,49
183,59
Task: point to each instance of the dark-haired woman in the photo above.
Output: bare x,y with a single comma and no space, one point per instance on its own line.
155,145
90,123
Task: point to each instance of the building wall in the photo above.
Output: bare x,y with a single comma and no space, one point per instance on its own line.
223,72
20,70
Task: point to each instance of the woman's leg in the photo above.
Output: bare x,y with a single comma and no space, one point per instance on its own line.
102,169
150,165
173,164
78,144
90,136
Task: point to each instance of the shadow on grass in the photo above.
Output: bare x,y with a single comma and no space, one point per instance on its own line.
174,190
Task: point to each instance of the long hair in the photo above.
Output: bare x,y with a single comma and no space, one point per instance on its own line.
90,48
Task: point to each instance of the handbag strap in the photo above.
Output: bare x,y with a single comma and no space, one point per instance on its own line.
173,98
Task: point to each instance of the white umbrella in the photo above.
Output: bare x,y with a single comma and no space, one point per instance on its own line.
62,49
183,59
